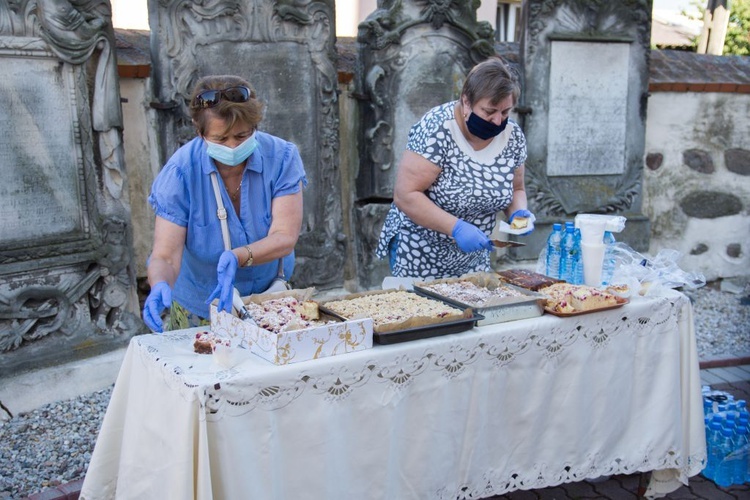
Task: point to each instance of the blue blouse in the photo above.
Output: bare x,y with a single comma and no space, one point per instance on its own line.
182,193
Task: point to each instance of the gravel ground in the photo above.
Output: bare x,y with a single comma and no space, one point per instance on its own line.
53,445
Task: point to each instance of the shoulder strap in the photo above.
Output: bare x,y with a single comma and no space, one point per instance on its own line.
221,213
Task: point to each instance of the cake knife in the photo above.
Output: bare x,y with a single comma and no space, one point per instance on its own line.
242,311
501,244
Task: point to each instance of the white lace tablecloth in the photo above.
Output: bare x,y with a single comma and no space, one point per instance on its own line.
519,405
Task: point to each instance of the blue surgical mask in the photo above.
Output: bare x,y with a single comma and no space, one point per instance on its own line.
484,129
232,156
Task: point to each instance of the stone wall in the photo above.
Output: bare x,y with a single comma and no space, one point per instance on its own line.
697,179
697,175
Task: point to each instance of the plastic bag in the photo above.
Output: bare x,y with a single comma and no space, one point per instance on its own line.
541,263
651,274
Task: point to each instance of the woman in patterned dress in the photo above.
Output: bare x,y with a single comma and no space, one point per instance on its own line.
464,162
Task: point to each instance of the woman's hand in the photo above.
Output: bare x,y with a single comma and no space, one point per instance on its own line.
226,270
522,213
159,298
469,237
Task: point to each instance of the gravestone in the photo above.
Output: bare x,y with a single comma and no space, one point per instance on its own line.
585,86
413,55
68,287
285,49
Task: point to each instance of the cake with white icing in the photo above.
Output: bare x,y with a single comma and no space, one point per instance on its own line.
468,292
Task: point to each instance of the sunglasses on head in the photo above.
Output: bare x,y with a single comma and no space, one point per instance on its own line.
210,98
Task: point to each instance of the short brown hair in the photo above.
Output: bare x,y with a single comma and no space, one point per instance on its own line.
491,79
250,112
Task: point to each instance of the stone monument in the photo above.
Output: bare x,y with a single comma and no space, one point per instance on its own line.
413,55
585,87
68,287
285,49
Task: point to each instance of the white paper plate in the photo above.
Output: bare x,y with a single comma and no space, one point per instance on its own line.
504,227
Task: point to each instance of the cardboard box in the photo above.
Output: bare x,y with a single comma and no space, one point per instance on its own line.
292,346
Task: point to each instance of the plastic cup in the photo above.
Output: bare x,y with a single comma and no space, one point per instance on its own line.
593,259
592,230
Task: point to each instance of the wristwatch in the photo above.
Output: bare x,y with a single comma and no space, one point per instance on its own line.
249,261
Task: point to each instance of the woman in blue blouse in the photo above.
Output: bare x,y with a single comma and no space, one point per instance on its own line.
260,180
464,163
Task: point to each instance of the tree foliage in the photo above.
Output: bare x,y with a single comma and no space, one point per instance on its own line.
738,31
737,41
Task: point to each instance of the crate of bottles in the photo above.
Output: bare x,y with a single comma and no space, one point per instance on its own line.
727,429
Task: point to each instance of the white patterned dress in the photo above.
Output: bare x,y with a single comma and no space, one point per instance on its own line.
472,185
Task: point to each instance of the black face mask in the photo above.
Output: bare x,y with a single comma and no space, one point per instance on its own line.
484,129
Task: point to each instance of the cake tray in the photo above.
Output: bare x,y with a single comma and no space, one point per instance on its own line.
530,305
424,331
621,301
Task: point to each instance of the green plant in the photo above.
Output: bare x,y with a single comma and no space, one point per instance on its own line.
738,31
737,41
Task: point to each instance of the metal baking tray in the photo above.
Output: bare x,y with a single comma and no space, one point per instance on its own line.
531,305
423,331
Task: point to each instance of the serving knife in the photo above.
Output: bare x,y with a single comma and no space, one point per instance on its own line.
502,244
242,311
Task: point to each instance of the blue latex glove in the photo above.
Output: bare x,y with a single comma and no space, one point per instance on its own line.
226,269
522,213
469,237
159,298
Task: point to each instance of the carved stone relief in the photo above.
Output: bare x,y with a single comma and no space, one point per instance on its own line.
286,49
68,287
413,55
606,177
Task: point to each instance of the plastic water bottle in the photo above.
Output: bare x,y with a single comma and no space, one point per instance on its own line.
724,468
708,407
713,442
554,250
568,257
578,272
740,463
744,422
608,266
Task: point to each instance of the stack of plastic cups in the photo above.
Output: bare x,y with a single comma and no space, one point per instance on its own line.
592,251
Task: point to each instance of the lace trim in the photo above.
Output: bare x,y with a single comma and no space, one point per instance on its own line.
339,383
545,476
